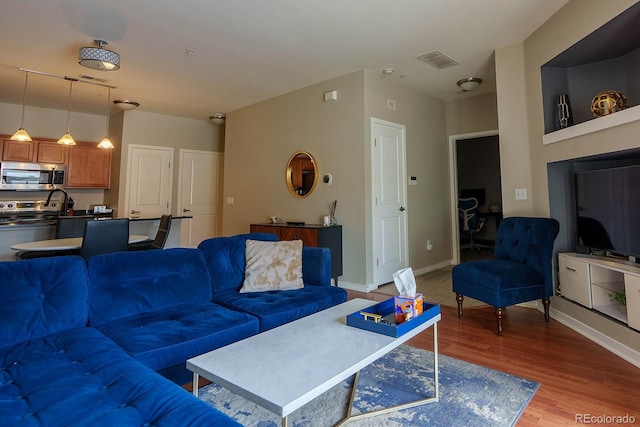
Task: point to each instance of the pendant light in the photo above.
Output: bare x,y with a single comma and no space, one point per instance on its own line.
106,142
67,139
21,134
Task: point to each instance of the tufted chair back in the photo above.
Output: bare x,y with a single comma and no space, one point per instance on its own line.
528,241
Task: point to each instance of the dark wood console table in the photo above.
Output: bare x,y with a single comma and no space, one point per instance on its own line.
311,235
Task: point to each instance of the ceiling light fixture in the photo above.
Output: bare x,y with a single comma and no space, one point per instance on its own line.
21,134
218,118
125,104
98,58
106,142
467,85
67,139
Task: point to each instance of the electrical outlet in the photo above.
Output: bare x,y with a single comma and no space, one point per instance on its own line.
429,245
521,194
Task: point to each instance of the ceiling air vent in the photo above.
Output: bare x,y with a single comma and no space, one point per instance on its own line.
95,79
438,59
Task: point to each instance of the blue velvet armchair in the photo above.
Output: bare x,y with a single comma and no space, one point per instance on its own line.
520,271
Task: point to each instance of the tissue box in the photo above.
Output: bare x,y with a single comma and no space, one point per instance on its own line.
407,308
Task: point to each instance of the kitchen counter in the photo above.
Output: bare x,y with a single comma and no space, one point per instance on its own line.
158,218
15,234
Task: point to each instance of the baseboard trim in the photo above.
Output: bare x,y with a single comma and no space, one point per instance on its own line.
630,355
356,286
430,268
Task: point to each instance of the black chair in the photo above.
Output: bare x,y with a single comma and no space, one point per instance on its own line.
160,239
67,226
71,226
105,236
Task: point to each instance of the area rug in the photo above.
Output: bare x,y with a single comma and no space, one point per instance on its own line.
470,395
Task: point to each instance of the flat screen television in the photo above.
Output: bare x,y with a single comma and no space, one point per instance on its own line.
608,210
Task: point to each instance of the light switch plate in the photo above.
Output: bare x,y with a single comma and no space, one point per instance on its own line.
521,194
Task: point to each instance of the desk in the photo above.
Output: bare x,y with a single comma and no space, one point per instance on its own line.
64,244
497,216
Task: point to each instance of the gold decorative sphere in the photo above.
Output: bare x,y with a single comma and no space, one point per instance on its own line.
608,102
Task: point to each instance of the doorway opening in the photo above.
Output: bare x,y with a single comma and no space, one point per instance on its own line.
475,172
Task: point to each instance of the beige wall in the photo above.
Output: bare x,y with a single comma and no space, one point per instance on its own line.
259,141
521,126
261,138
472,114
427,159
141,128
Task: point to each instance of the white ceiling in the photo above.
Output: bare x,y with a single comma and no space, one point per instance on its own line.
246,51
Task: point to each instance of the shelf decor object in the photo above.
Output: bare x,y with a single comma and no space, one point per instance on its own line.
608,102
564,117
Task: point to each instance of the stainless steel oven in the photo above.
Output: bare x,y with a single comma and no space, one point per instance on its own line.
31,176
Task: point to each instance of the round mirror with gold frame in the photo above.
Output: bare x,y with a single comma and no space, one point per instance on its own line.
302,174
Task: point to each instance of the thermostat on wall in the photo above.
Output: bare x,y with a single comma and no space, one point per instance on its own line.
413,180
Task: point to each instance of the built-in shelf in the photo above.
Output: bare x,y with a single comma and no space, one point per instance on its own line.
608,59
605,122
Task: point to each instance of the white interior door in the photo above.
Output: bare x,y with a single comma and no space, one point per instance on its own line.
149,181
201,175
389,199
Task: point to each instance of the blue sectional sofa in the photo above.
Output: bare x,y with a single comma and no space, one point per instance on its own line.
85,343
224,257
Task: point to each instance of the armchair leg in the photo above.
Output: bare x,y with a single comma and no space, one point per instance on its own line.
459,299
499,313
546,302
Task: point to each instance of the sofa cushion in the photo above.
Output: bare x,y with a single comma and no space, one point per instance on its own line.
41,296
274,308
80,378
165,338
125,284
224,257
272,266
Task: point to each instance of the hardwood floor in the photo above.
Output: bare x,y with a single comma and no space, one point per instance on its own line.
576,375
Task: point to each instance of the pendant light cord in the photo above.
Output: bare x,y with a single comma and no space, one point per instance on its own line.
108,101
69,105
24,98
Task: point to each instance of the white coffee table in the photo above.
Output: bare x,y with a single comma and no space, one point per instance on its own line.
284,368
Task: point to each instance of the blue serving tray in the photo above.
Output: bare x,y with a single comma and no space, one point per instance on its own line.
387,310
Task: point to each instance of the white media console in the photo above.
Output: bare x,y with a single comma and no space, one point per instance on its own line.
588,280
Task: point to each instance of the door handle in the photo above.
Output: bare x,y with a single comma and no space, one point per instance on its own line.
402,209
186,210
133,211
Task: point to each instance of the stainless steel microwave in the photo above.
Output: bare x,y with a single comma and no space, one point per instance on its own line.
31,176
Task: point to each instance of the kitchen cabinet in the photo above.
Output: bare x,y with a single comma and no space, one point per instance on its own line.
37,151
88,166
316,235
51,152
18,151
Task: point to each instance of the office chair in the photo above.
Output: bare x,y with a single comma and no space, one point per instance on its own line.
469,221
520,271
104,236
161,236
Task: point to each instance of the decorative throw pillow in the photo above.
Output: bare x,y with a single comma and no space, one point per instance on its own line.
272,266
